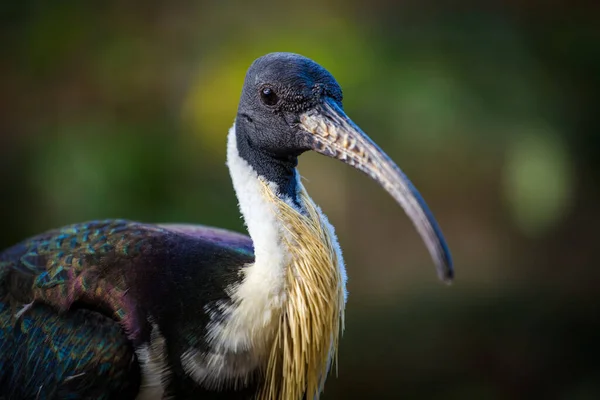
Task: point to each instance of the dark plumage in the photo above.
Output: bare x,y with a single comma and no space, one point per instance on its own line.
105,282
79,355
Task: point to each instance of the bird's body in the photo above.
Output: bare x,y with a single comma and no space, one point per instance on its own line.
121,309
130,276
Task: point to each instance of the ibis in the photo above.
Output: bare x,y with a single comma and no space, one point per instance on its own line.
118,309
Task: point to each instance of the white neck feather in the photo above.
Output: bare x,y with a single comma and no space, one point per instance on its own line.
241,342
267,275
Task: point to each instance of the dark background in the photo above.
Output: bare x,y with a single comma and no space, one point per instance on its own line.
121,109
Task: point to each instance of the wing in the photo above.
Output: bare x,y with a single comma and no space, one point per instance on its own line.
82,354
232,240
79,263
94,285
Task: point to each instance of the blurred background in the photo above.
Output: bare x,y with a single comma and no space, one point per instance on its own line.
121,110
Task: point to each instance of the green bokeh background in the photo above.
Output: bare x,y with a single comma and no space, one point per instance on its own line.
121,109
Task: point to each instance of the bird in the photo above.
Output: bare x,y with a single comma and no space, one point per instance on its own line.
116,308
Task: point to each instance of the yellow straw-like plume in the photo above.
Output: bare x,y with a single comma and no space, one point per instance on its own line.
312,318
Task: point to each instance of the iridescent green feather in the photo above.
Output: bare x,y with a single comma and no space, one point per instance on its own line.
79,355
66,264
84,318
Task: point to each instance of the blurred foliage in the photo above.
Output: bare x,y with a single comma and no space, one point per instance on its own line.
538,180
121,109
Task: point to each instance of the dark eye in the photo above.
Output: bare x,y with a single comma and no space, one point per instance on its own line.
268,96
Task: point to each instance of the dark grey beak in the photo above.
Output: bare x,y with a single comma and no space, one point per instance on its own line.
336,136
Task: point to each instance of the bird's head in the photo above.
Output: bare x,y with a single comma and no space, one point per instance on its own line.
290,105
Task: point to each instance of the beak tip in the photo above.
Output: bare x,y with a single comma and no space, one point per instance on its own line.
446,273
443,259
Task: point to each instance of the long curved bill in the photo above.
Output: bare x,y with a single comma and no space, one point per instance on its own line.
335,135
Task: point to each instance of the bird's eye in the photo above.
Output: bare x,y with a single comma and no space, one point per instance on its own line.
268,96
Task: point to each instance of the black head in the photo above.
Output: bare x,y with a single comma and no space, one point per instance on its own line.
279,87
291,104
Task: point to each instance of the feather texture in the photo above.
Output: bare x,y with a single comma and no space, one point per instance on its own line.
81,263
313,315
89,295
80,355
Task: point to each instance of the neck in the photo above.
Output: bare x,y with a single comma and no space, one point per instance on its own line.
285,314
259,214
